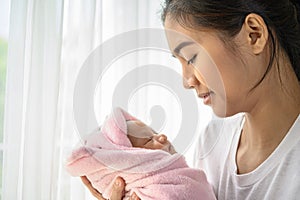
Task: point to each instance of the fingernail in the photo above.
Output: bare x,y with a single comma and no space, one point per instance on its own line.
134,197
118,183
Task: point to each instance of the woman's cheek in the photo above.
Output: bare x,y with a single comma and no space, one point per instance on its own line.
207,70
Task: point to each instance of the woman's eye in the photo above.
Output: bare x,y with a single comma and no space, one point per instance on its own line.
191,61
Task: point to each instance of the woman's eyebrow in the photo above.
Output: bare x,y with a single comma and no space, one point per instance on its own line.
181,45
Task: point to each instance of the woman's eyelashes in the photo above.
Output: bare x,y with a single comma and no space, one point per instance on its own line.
191,61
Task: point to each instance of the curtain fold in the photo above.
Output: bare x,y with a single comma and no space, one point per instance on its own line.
82,32
14,102
31,110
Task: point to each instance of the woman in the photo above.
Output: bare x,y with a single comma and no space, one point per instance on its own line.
255,45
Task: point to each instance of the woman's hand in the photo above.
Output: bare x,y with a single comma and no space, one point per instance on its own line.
117,190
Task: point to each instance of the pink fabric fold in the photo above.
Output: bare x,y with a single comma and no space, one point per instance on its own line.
151,174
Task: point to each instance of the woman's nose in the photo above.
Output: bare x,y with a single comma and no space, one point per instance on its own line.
189,79
190,82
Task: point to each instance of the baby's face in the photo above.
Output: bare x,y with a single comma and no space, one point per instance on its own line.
141,135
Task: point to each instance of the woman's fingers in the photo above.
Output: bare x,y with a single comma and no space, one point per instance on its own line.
117,193
88,184
134,197
118,189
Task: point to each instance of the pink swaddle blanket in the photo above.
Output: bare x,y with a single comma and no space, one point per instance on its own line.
151,174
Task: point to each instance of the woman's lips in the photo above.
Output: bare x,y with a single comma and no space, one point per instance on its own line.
206,97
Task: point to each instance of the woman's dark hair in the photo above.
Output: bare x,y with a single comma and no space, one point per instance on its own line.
282,18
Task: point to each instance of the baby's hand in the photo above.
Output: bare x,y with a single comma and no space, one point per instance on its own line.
117,191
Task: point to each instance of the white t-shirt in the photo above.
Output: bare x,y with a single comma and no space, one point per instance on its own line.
278,177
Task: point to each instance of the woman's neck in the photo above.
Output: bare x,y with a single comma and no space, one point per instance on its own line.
268,122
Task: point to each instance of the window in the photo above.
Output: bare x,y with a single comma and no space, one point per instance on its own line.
4,24
49,42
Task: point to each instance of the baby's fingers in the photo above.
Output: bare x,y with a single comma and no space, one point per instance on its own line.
134,197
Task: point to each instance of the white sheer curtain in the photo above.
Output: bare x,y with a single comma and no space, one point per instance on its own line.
31,115
48,44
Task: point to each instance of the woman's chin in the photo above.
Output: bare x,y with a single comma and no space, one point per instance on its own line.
220,110
222,113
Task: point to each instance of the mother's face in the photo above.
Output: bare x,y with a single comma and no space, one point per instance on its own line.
217,75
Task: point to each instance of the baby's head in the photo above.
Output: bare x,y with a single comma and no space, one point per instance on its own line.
142,136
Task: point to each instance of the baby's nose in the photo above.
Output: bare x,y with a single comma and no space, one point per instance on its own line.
162,138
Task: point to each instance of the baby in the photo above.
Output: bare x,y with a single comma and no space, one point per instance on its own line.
142,136
147,161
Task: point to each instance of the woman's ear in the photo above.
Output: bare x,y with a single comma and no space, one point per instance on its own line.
256,32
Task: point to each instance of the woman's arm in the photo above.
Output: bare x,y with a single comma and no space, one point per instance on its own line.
117,191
